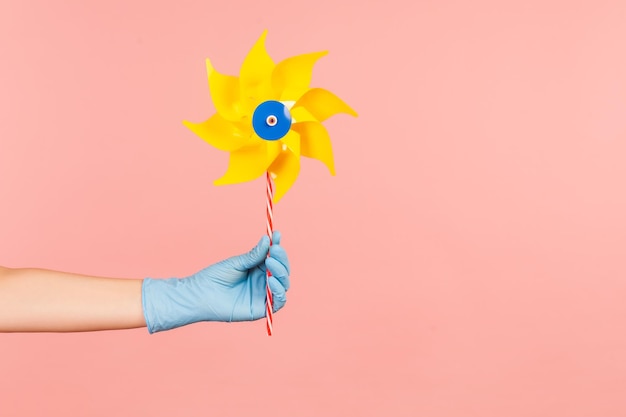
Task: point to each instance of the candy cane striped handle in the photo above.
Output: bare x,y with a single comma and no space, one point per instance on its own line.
269,314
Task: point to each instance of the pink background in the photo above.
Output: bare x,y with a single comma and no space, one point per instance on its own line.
467,260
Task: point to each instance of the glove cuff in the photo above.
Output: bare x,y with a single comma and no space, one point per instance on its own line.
164,304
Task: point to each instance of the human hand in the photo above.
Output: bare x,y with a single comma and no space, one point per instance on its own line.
230,290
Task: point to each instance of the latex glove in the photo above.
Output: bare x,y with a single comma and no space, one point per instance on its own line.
231,290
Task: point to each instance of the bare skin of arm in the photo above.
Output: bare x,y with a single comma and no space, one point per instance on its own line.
38,300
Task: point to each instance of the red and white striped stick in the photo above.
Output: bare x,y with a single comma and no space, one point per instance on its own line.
269,315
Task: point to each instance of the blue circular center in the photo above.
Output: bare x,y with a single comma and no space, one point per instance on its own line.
271,120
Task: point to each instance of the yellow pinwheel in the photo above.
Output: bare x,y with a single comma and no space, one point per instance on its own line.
268,117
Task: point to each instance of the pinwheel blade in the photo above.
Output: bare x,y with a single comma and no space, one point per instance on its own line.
220,133
245,164
291,78
224,93
300,114
292,141
272,150
322,104
284,171
315,143
255,76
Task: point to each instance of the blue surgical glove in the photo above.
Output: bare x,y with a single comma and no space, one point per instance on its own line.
231,290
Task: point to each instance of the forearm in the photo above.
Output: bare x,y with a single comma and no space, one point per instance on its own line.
37,300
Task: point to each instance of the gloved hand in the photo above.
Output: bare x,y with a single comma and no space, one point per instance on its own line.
231,290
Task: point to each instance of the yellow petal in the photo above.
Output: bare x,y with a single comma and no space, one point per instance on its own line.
245,164
224,93
292,141
291,77
220,133
323,104
255,76
273,149
300,114
315,143
284,171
